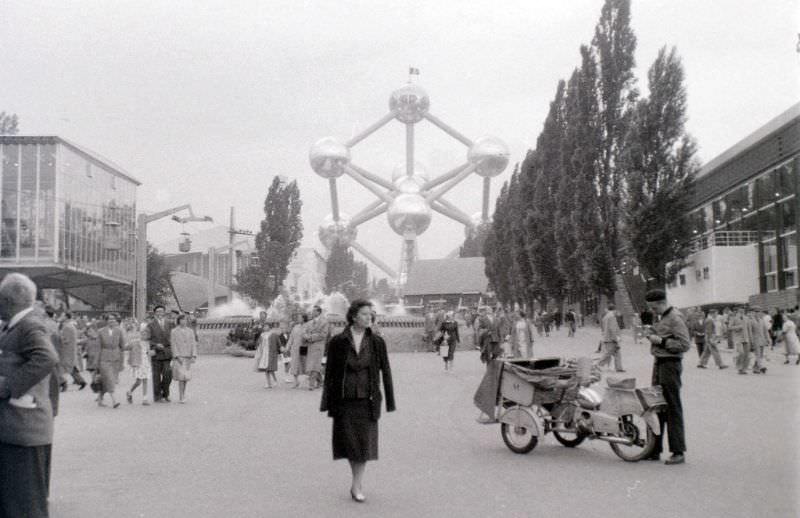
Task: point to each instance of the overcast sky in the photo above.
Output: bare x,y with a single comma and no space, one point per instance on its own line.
204,102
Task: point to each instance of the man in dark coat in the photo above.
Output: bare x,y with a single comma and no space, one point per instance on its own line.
27,361
489,336
669,340
160,329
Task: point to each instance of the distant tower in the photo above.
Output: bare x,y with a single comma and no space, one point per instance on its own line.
410,197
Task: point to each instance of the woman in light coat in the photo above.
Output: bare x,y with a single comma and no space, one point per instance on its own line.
521,337
296,346
184,354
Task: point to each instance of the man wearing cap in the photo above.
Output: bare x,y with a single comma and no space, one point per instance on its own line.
669,340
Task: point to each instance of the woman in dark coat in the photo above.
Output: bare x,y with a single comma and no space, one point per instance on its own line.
357,359
449,335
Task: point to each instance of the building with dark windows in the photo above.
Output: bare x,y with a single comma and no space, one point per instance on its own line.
745,214
68,220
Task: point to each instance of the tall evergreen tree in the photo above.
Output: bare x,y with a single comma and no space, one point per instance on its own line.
473,242
497,251
661,166
543,170
276,242
158,277
613,85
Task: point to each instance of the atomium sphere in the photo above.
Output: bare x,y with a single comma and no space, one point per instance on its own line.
329,157
409,103
490,154
410,184
409,213
332,232
399,171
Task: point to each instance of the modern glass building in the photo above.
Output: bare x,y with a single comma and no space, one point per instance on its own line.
68,219
746,216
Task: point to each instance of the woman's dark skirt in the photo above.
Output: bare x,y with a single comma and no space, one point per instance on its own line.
355,435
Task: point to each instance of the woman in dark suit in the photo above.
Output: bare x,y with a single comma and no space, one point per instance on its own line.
357,359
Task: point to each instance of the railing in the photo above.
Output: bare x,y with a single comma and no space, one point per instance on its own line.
729,238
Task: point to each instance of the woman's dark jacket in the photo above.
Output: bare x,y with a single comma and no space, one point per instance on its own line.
335,368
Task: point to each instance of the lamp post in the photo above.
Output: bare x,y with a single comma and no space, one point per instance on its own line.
140,301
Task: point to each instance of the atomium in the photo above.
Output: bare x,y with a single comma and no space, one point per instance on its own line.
333,232
409,103
409,213
411,197
329,157
490,156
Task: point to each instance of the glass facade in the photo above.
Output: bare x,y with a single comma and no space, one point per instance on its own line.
62,207
766,207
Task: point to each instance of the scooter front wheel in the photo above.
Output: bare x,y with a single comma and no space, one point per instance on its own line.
643,440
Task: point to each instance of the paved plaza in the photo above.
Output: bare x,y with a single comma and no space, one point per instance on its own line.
238,450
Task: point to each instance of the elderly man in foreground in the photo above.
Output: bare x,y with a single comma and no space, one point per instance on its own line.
27,359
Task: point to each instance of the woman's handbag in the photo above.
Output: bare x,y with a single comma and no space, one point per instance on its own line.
97,383
444,350
180,371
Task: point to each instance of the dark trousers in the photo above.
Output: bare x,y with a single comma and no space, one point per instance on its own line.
76,376
162,377
701,346
24,481
667,373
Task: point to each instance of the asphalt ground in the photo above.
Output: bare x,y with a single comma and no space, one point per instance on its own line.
236,449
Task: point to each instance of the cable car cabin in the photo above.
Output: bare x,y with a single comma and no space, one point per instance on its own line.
186,244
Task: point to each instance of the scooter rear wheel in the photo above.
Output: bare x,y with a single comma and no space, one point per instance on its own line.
635,428
519,439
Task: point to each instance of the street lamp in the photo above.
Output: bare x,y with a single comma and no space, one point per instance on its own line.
140,301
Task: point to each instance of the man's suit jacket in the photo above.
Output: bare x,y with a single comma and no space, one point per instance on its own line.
488,327
27,359
160,335
69,346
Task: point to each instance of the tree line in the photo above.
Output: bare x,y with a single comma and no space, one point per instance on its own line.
607,183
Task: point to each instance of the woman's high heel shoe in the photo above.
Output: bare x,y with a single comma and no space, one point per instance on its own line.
358,497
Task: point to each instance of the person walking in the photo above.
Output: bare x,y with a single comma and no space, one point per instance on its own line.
715,333
429,330
504,330
357,361
791,342
669,340
522,337
139,355
160,332
738,329
611,333
269,347
537,322
297,348
448,331
698,331
27,360
110,359
184,354
69,359
570,318
315,335
489,336
759,335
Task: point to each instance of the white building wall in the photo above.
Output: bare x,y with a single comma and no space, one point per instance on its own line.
732,277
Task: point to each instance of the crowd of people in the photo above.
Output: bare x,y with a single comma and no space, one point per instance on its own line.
498,332
159,350
298,345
